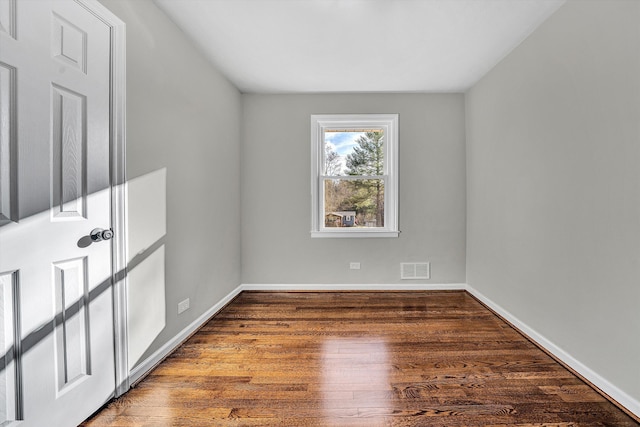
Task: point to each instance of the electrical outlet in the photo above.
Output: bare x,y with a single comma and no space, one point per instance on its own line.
183,306
354,265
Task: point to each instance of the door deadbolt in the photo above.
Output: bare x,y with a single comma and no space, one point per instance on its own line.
98,234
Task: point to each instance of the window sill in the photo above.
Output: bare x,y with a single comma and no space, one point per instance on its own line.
354,234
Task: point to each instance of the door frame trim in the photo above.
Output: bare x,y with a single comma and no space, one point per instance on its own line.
117,149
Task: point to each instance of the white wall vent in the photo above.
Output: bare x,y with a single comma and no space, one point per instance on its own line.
414,270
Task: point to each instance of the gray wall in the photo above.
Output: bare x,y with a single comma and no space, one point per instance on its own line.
552,180
276,202
553,151
184,116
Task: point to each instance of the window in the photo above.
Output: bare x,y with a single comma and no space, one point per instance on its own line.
354,175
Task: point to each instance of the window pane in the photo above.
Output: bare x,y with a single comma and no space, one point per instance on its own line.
354,203
353,152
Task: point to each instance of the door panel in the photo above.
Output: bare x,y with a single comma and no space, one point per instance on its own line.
7,17
8,190
55,189
71,330
10,393
68,148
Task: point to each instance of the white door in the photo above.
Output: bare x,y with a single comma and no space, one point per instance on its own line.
56,295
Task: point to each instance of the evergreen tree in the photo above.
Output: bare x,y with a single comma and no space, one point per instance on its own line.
367,159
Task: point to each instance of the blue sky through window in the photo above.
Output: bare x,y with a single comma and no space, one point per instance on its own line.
342,143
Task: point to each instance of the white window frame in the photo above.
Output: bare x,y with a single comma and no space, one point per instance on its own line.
387,122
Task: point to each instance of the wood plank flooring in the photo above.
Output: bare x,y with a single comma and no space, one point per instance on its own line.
436,358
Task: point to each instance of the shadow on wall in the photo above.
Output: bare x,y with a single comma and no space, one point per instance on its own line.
147,227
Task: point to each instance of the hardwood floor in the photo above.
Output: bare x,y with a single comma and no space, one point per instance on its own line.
436,358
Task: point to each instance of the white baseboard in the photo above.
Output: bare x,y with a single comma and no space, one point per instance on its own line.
355,287
631,404
150,362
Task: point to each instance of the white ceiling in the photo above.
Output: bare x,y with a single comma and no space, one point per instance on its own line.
294,46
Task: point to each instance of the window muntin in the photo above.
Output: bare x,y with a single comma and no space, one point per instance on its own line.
354,175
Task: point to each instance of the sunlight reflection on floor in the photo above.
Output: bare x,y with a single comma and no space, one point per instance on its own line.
353,371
